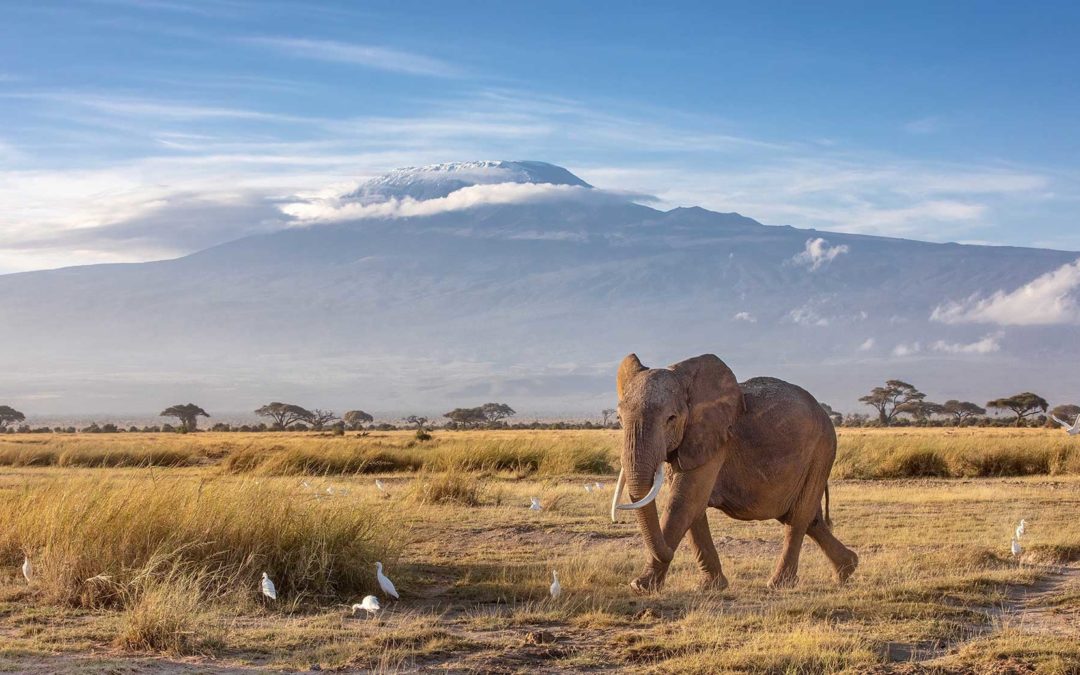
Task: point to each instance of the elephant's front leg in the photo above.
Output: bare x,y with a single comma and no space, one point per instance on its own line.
708,560
690,491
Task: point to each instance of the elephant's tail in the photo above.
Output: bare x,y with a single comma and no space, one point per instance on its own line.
828,519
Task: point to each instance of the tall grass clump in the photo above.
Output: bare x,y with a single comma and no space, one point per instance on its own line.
101,543
456,486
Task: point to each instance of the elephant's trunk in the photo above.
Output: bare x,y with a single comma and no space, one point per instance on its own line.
643,483
642,470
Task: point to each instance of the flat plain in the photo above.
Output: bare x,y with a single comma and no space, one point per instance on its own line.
147,551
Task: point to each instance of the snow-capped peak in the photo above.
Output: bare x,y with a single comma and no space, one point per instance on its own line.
439,180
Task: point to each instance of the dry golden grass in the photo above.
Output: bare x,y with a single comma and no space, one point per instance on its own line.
862,453
183,548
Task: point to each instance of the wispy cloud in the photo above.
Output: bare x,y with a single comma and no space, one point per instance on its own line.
1047,300
988,344
818,253
368,56
334,209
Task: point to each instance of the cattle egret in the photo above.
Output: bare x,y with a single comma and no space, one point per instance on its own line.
598,485
1072,429
588,487
369,604
329,490
535,506
268,587
556,589
1021,528
379,484
27,568
1016,550
385,584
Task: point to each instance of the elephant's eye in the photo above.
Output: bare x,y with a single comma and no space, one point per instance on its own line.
671,420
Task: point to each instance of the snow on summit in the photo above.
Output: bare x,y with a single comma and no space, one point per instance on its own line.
439,180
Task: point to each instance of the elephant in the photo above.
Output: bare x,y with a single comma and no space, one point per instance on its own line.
756,450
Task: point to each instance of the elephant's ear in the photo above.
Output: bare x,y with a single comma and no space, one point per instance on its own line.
629,367
714,401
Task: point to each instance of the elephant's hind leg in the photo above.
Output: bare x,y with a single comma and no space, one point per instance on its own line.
787,568
843,559
708,560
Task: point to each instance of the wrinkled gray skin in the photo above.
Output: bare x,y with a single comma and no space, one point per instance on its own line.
756,450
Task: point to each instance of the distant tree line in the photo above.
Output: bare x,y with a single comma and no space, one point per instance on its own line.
896,403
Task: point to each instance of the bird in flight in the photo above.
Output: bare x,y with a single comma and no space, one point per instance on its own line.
1071,429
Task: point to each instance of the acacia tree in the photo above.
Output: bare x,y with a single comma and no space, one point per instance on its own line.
961,410
318,418
1023,405
495,412
356,418
607,413
283,414
467,417
886,400
418,421
187,413
920,410
9,415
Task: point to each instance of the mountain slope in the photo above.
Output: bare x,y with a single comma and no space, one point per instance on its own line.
532,301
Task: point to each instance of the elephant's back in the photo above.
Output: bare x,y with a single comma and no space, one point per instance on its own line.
782,437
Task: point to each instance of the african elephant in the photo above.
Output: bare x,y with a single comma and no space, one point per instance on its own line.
756,450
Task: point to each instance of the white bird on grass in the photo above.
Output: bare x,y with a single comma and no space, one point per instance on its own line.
1021,528
379,484
268,588
385,584
27,568
588,487
556,588
1016,549
1072,429
535,506
598,485
369,604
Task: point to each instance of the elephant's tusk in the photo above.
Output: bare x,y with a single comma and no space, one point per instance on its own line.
658,481
619,485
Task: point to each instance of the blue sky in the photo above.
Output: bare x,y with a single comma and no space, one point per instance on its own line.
137,130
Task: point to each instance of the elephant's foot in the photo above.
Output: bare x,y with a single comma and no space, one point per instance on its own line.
713,582
650,581
784,579
845,567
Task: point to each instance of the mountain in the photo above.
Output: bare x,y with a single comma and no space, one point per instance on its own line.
435,287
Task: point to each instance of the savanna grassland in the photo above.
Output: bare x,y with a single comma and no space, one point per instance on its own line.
148,548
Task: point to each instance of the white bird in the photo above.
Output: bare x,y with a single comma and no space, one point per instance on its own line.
1016,550
535,506
329,490
1021,528
369,604
379,484
598,485
1072,429
27,568
268,588
385,584
588,487
556,589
